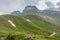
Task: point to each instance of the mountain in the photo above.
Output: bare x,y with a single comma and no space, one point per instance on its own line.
39,24
52,11
51,14
30,10
28,25
16,13
34,10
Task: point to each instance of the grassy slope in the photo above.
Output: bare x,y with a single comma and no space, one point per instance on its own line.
56,20
37,26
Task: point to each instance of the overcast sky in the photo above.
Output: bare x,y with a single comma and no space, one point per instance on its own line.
7,6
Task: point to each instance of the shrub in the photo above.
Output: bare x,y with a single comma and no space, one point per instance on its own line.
15,37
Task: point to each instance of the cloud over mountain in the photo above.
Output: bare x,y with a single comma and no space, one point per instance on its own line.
8,6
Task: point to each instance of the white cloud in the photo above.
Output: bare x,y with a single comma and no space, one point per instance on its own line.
41,5
11,5
54,2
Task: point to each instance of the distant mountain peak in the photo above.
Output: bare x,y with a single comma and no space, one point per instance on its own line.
16,13
30,9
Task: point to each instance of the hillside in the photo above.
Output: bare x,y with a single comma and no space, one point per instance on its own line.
28,24
51,15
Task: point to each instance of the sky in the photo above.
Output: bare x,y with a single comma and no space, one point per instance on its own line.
8,6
